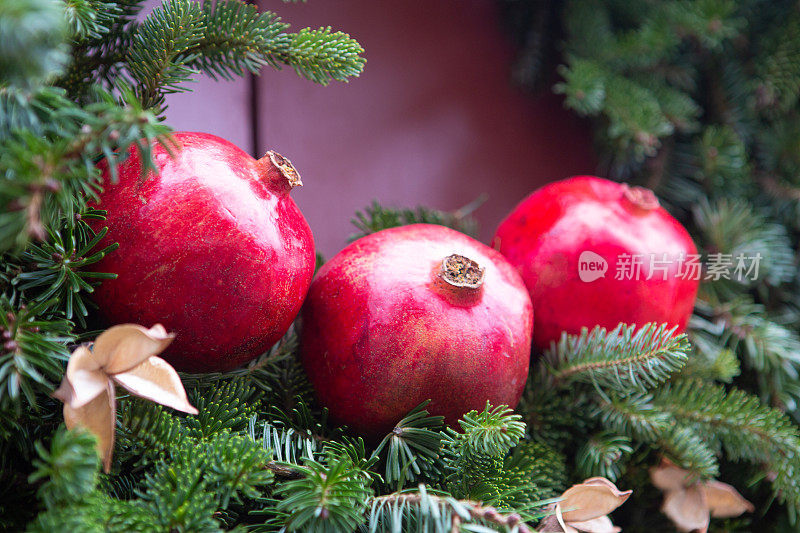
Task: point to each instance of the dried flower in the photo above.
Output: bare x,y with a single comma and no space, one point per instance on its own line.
123,355
690,503
588,505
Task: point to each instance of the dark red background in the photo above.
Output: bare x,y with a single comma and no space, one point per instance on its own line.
433,120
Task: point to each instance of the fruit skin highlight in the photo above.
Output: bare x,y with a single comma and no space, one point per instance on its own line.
387,326
211,246
545,235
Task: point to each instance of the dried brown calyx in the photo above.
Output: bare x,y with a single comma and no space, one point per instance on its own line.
640,197
460,271
286,169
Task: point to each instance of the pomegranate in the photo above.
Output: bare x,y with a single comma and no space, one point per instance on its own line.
414,313
596,252
211,246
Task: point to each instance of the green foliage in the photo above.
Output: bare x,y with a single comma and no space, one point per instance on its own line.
224,38
322,55
376,217
422,510
326,499
738,423
68,470
626,359
156,55
539,470
411,447
474,457
602,455
53,268
31,356
32,42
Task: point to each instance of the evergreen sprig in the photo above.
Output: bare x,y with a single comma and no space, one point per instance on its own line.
427,511
237,39
742,426
602,455
32,355
475,456
322,55
625,359
326,499
157,57
412,447
637,418
377,217
53,269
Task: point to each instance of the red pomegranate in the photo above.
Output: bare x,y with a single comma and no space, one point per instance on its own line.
596,252
414,313
211,246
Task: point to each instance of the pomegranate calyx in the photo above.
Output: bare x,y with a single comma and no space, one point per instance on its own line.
460,271
279,173
640,197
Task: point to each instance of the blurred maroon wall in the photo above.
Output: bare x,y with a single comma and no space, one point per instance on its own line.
433,120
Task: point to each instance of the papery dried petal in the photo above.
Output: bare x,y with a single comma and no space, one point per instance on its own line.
99,417
687,508
724,501
667,476
83,380
593,498
154,379
121,348
601,524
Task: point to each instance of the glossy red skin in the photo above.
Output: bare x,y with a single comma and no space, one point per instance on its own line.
380,334
211,247
545,234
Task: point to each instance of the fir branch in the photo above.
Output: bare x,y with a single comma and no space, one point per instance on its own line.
376,218
51,174
68,470
322,55
494,431
412,447
228,407
602,455
52,271
532,471
583,86
157,59
474,459
744,427
553,417
145,431
176,494
352,451
734,227
90,18
327,499
625,359
763,344
32,42
237,39
289,448
778,65
437,514
32,354
709,360
236,466
636,416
